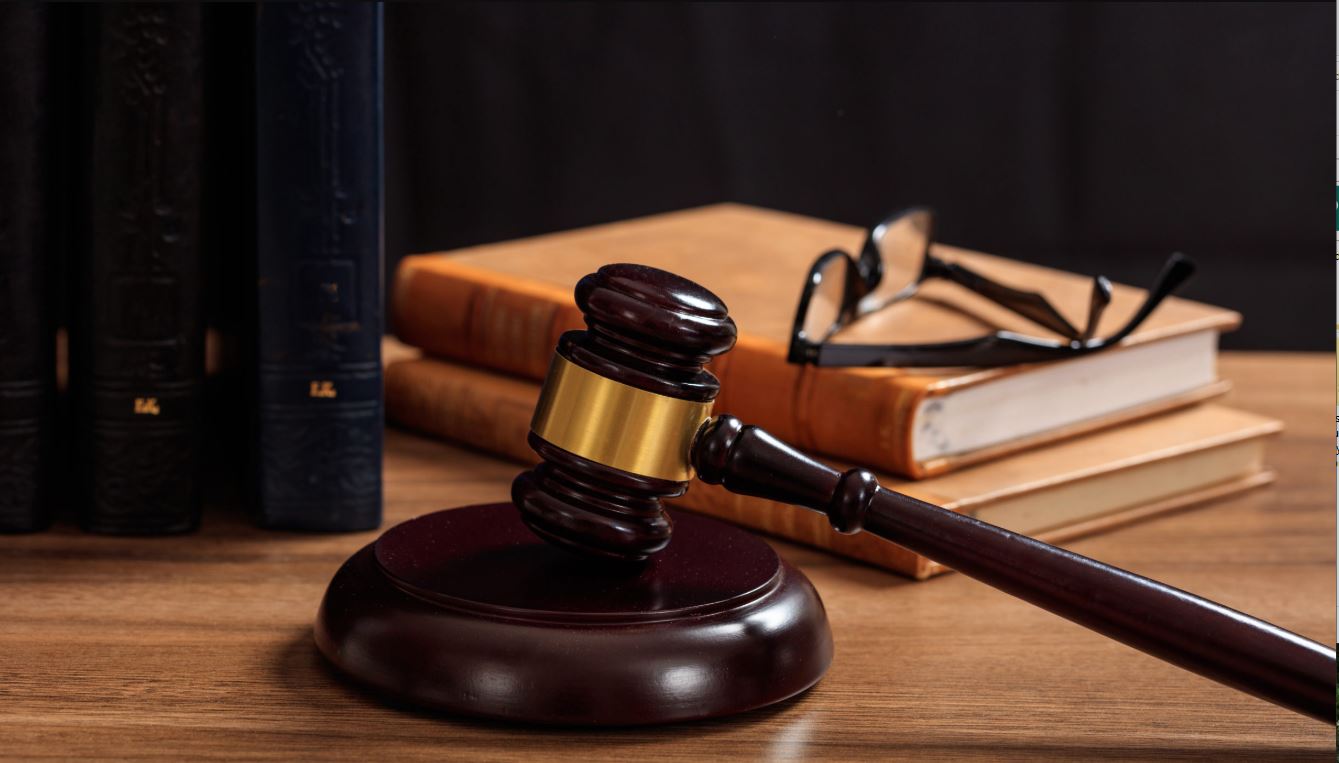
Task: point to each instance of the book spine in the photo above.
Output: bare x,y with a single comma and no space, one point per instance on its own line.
139,364
476,317
319,259
27,385
492,413
465,405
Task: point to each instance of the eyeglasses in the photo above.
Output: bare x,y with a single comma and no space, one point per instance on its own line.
895,260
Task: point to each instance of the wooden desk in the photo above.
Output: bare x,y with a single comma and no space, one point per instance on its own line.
201,646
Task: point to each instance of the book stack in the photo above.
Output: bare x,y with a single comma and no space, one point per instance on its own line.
1055,450
200,171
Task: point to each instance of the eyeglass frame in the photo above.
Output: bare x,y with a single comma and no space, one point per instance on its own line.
1000,348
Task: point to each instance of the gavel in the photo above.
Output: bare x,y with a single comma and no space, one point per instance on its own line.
624,421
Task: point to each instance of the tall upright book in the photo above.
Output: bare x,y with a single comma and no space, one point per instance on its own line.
502,306
26,363
137,359
319,221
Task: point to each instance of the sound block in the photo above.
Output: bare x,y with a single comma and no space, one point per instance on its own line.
467,611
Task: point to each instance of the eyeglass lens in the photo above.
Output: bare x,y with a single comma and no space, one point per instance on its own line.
825,305
902,243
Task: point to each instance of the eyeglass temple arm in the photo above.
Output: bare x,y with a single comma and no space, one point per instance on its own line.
1029,304
1174,273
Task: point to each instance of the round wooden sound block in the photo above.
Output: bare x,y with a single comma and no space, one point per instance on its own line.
467,611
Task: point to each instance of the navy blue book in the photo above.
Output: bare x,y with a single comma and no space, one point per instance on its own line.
27,385
137,343
319,231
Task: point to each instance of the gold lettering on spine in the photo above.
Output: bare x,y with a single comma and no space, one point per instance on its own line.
322,389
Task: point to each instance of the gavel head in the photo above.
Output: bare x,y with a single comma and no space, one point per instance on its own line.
620,408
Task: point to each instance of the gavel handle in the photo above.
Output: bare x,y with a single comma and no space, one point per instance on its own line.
1199,635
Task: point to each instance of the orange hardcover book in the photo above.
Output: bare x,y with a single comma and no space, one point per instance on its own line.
502,307
1055,493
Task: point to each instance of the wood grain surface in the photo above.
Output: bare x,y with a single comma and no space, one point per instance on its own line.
201,646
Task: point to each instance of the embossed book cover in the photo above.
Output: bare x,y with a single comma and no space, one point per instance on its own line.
319,218
137,362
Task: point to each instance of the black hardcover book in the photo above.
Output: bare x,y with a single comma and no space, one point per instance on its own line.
319,224
137,357
27,382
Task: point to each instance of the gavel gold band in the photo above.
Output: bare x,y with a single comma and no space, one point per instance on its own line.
611,423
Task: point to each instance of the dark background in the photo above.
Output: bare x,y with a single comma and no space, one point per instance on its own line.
1096,138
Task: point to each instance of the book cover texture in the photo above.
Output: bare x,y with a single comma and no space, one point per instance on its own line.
139,361
319,221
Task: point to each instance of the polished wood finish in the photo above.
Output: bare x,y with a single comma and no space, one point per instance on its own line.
201,646
592,509
1199,635
465,610
648,329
